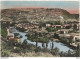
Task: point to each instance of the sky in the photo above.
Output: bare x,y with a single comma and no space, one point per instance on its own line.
71,6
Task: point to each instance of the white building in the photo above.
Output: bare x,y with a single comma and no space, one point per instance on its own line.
76,38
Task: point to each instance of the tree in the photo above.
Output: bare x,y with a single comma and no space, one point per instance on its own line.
7,24
69,53
3,30
78,50
24,44
56,36
5,53
70,39
17,50
36,37
56,51
36,43
21,29
52,45
16,34
13,24
46,45
74,27
21,36
49,29
68,27
43,45
62,54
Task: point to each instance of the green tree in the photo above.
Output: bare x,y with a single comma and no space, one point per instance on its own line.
56,51
24,44
16,34
70,39
56,36
3,30
17,50
74,27
5,53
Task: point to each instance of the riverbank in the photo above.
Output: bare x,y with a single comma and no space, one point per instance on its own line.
33,39
9,51
29,47
55,44
29,50
67,44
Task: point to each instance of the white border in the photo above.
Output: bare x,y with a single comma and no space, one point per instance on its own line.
40,57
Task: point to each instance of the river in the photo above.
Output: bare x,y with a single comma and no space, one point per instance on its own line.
59,45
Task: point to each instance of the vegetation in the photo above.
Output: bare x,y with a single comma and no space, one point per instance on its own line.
75,27
12,24
70,39
13,48
3,30
21,29
56,35
55,51
68,27
37,38
21,36
42,24
54,22
25,22
16,34
49,29
25,48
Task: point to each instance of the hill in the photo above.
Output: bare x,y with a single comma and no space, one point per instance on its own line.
37,14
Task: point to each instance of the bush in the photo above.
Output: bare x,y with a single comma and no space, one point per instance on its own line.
55,51
5,53
17,50
16,34
56,36
3,30
21,29
21,36
24,44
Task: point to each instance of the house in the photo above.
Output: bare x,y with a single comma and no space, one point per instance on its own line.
10,37
18,40
58,26
43,29
36,26
65,35
67,26
77,25
14,39
9,32
48,25
7,21
26,27
64,31
76,38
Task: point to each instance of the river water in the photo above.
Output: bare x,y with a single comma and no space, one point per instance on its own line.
59,45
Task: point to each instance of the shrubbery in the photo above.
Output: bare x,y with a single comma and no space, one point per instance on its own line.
3,30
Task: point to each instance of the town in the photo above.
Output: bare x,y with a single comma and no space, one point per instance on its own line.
41,27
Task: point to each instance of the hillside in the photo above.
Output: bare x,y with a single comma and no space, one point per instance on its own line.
39,14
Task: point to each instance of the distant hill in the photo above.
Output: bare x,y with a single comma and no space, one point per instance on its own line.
39,14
